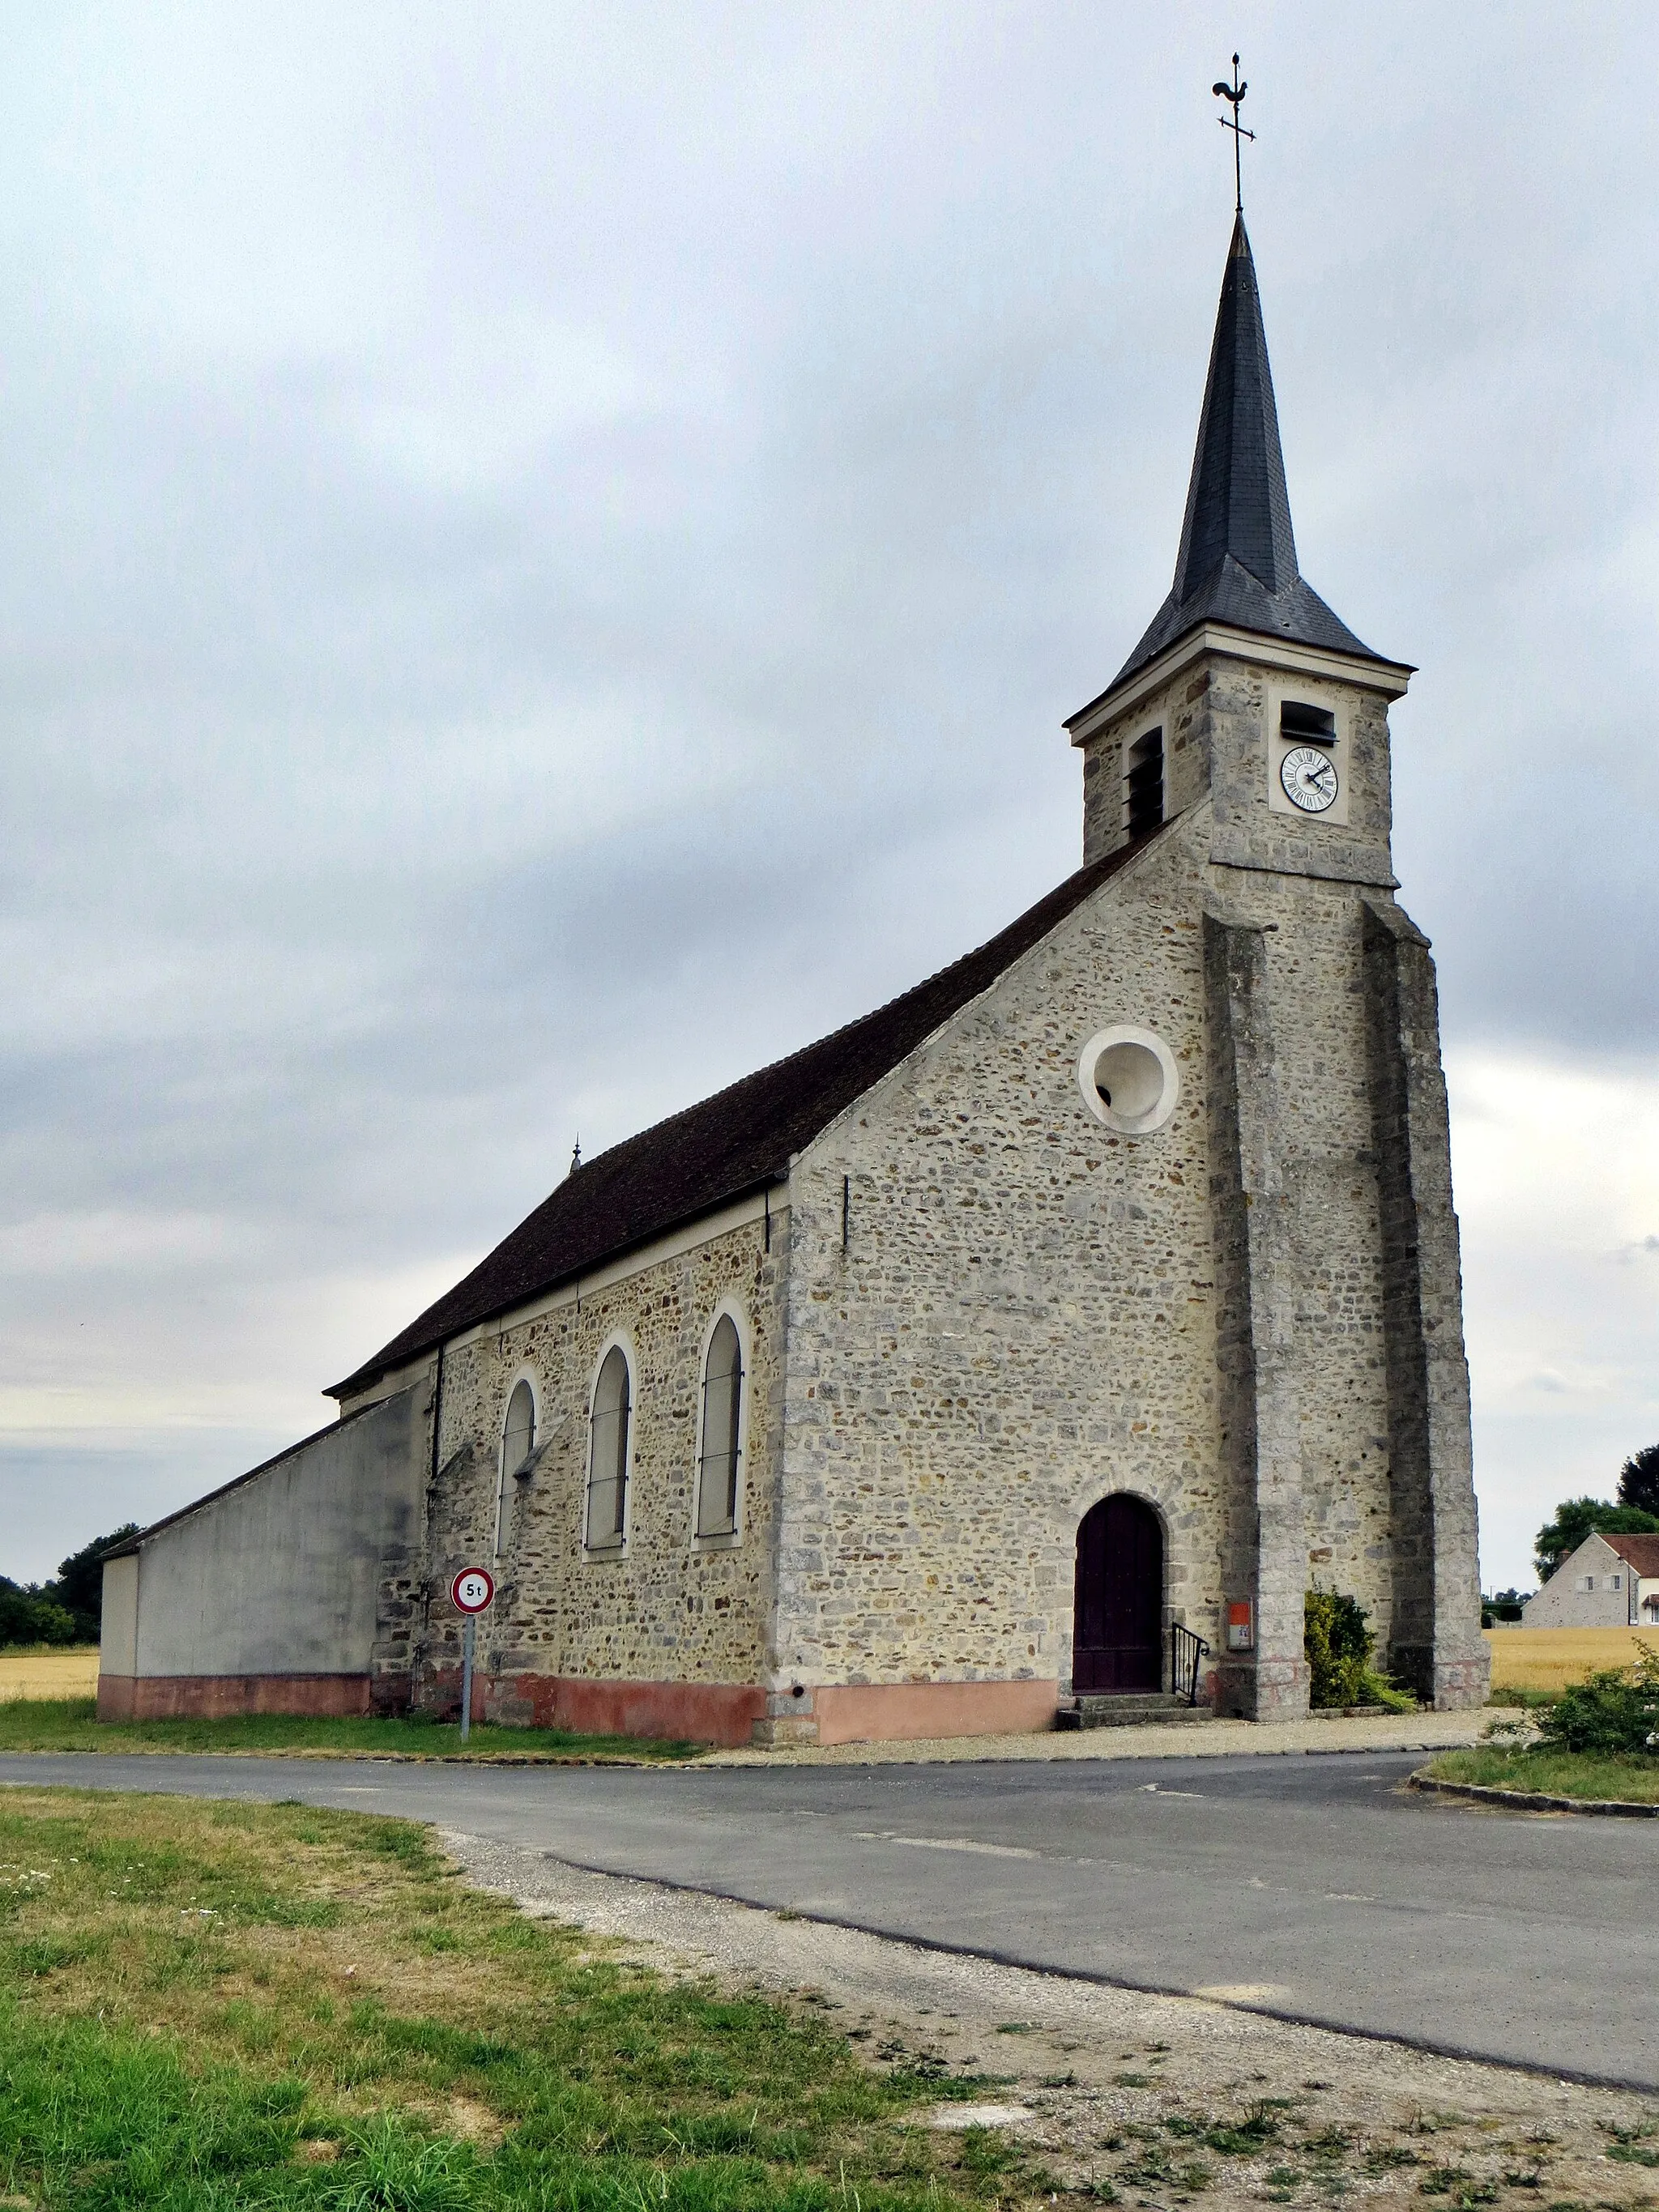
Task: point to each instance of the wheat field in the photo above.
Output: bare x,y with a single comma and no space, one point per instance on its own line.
1550,1658
71,1674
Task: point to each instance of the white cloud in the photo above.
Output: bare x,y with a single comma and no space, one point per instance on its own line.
1556,1165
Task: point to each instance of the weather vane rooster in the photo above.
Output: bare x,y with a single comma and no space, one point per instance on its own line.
1233,92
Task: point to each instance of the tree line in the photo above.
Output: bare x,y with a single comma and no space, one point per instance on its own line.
69,1609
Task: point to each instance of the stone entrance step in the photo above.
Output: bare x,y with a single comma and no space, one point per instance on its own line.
1129,1709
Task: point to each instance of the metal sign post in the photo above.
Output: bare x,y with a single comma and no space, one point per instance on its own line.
469,1593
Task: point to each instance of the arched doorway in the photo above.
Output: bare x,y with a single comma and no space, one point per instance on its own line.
1117,1640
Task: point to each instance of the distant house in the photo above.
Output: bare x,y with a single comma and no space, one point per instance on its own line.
1609,1582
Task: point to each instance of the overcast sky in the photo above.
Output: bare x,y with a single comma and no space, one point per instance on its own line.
545,551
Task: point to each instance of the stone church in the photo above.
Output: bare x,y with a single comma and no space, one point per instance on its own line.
1044,1335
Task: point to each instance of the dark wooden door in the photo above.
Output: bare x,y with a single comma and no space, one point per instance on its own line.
1118,1628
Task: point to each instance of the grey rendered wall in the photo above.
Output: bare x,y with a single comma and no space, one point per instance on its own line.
280,1575
117,1643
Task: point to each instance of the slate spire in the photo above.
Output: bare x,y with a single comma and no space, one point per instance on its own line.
1236,502
1237,560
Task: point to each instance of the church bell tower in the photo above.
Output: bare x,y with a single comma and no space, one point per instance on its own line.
1250,711
1165,733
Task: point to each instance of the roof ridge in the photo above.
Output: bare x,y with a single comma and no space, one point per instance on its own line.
735,1140
859,1021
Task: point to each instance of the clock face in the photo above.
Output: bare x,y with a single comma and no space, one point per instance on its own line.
1307,778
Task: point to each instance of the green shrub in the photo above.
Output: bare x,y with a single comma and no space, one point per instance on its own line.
1614,1710
1339,1643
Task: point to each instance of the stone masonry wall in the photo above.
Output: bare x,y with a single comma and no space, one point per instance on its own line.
1304,885
1179,709
1021,1320
667,1608
1435,1644
1025,1314
1258,1273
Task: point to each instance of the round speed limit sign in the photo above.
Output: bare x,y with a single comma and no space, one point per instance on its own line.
471,1590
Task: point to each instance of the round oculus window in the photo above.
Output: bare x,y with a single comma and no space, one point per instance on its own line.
1128,1079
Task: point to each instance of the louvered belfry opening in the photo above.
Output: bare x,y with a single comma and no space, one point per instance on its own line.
1306,724
1145,782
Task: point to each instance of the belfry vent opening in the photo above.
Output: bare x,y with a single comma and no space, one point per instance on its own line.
1315,725
1145,783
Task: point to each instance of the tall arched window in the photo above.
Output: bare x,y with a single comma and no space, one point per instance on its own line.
607,1461
717,1462
517,1442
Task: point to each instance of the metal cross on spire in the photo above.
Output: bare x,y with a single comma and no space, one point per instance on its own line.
1233,92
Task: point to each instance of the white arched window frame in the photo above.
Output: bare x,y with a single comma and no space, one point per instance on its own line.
521,1429
722,1459
608,1492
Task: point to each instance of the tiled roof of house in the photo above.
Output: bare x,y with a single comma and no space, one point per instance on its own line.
739,1141
1640,1553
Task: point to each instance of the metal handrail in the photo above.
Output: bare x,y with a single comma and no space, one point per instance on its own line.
1187,1655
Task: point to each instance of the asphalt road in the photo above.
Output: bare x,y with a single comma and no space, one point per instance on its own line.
1316,1888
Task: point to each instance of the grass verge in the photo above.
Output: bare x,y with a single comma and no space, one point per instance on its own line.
217,2005
1557,1773
1510,1694
70,1724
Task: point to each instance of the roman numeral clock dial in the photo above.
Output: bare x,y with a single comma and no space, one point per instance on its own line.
1308,779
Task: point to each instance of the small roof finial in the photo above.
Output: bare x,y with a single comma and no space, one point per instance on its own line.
576,1156
1233,92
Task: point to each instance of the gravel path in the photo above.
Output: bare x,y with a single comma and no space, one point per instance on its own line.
1111,2088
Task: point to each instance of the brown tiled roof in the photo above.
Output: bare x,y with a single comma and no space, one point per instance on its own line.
1640,1553
742,1139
